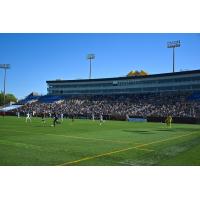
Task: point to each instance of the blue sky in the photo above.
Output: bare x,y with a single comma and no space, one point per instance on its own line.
35,58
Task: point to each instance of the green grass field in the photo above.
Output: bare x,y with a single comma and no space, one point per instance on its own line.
84,142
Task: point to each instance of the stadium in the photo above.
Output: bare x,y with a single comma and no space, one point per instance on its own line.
127,133
138,95
90,106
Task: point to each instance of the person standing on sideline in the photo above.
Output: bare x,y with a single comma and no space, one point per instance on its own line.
61,116
72,117
127,117
93,117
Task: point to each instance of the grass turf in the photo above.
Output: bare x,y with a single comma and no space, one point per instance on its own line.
84,142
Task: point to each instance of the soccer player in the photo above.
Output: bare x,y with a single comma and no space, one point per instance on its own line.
73,118
18,114
93,117
127,117
34,113
55,119
101,119
43,117
61,117
28,117
168,121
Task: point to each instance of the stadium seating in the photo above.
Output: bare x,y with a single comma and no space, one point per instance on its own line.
42,99
30,98
194,96
136,105
50,99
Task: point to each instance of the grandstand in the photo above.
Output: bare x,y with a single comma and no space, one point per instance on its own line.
157,83
152,97
34,97
30,98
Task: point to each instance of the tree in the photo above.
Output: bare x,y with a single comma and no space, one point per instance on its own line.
9,98
1,98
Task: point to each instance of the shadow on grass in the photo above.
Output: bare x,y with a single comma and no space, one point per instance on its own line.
167,130
42,126
139,132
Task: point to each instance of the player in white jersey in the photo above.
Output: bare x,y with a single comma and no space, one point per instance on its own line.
61,116
34,113
18,114
101,119
92,116
28,117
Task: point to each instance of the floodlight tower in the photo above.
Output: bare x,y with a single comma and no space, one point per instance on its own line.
90,57
174,44
5,67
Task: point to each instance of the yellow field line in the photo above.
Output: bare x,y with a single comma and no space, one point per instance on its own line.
122,150
164,140
95,139
142,149
92,157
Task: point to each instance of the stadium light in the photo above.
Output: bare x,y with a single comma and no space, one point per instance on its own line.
174,44
5,67
90,57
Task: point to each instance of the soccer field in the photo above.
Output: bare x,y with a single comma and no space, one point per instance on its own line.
84,142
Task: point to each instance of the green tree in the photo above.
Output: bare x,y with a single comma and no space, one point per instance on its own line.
1,99
9,98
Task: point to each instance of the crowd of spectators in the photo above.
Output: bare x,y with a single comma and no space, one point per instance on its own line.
157,105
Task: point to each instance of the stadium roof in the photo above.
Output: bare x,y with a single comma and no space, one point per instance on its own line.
128,77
